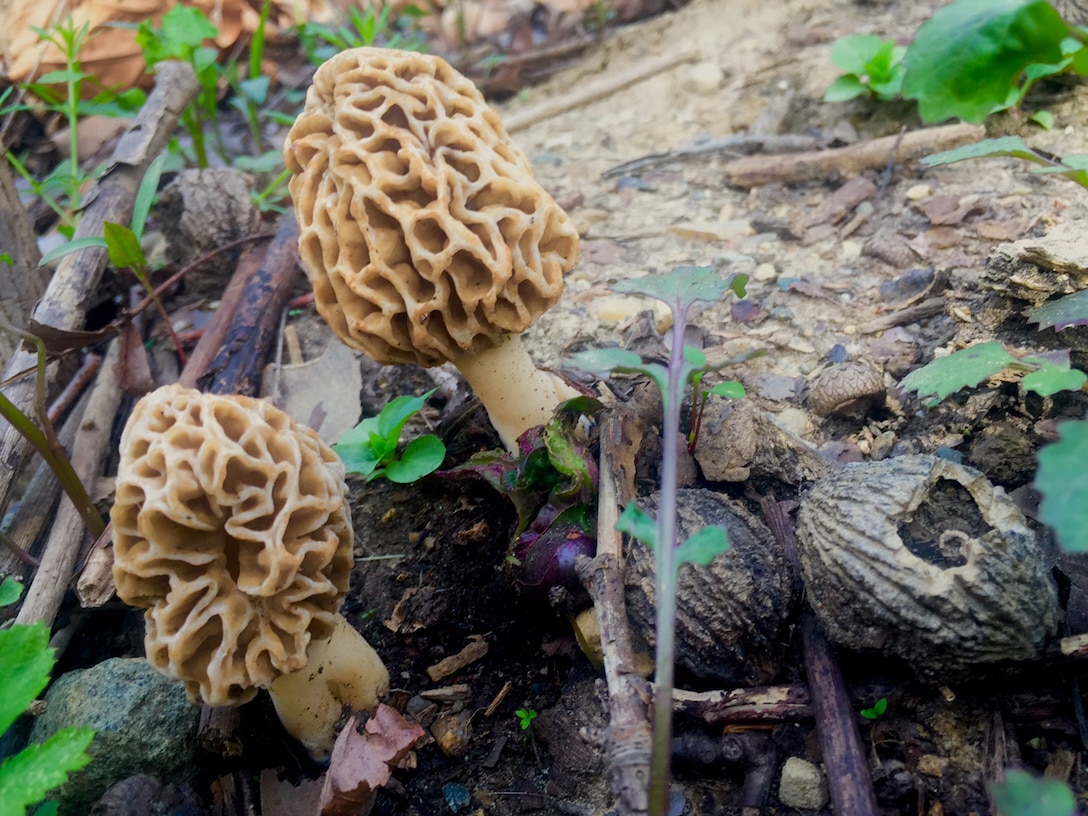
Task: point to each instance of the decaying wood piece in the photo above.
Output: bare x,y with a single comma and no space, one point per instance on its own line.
765,704
598,89
740,144
845,759
629,737
89,450
816,165
732,615
923,558
22,281
66,299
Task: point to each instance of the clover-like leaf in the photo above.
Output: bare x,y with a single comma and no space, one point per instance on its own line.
968,58
966,367
1063,312
1062,480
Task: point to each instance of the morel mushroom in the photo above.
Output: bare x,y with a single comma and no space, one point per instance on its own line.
925,559
231,529
425,235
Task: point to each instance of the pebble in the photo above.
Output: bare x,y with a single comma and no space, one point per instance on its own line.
764,272
703,78
918,192
850,250
803,785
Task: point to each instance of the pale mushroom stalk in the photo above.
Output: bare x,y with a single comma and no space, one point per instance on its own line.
516,394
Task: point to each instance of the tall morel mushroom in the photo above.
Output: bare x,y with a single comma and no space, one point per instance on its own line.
425,235
231,529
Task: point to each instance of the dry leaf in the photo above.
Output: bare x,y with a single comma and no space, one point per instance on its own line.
362,763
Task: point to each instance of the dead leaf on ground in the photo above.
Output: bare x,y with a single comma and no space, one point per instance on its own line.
362,763
946,210
1000,230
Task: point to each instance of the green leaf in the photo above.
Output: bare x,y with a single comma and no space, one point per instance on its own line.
853,54
256,89
124,247
54,255
845,88
62,77
967,367
1012,146
24,671
421,456
684,286
637,523
265,163
10,591
1061,313
187,26
876,710
1043,118
703,546
145,196
1062,480
26,777
1022,794
969,56
398,411
1050,379
730,390
608,360
6,258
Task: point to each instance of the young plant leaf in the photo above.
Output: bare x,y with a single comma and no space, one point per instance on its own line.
1022,794
1062,480
24,671
637,523
10,591
605,361
967,59
684,286
729,390
876,710
423,455
1063,312
845,88
1004,146
1049,379
398,411
702,547
26,777
145,195
123,246
966,367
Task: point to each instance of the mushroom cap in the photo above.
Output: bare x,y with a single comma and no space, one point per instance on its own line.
231,529
424,232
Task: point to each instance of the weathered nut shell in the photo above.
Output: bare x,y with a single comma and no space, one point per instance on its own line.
846,389
731,615
925,559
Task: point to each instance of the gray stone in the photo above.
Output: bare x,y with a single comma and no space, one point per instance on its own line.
144,725
803,785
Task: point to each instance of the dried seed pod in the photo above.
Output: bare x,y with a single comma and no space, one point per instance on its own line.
731,615
846,389
925,559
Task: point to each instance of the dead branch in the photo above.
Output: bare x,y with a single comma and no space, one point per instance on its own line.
89,448
768,704
847,764
592,91
741,144
66,299
816,165
629,737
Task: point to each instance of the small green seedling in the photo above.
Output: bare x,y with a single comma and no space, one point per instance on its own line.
681,289
870,66
370,448
365,27
525,717
1073,167
1022,794
26,777
876,710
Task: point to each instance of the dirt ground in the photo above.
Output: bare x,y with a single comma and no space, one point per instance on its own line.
433,577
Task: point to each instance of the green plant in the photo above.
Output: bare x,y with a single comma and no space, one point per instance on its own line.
1022,794
364,27
525,717
370,448
61,188
870,66
26,777
1073,167
876,710
681,289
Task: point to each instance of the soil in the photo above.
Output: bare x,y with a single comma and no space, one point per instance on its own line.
433,575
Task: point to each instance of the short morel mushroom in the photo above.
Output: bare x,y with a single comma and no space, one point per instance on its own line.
231,529
425,235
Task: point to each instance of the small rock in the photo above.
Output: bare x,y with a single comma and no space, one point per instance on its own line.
585,219
713,230
144,725
850,250
764,272
146,796
703,78
803,785
918,192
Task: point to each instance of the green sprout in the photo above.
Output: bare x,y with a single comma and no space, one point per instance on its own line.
870,66
370,448
876,710
525,717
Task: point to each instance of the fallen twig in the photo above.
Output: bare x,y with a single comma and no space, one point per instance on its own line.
740,145
753,171
769,704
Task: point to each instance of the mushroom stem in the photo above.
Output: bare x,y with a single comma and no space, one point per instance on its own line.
516,394
342,669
